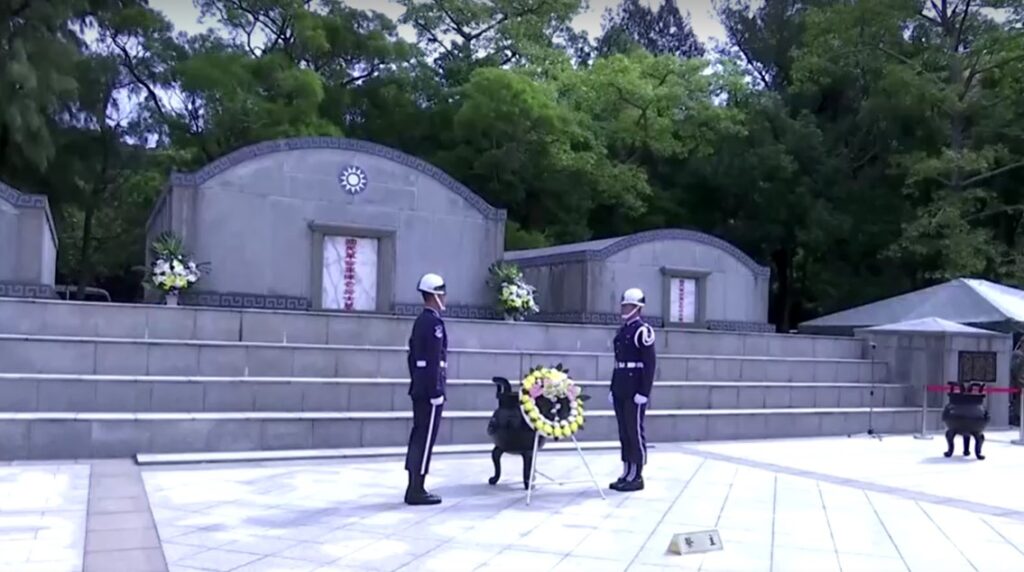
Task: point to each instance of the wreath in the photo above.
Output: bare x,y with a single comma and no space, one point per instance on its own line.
551,403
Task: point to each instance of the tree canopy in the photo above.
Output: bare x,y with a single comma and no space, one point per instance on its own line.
858,148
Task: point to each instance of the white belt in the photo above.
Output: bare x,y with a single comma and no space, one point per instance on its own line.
629,365
423,363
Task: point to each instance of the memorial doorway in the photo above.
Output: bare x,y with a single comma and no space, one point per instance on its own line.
352,268
349,273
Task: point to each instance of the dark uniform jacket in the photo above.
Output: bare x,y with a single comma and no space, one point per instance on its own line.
428,354
634,360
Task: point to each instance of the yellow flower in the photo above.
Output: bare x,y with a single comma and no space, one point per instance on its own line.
574,426
558,432
533,414
525,400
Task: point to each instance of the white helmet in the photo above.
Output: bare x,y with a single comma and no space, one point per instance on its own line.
431,284
633,296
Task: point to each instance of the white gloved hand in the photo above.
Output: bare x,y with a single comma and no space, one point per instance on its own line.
437,400
611,398
639,399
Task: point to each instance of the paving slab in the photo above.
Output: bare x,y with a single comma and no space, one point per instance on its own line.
43,517
902,464
347,514
843,504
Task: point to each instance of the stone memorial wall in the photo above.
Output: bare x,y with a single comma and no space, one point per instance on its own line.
332,224
690,279
28,245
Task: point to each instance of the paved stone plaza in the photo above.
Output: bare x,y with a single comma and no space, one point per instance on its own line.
855,505
42,518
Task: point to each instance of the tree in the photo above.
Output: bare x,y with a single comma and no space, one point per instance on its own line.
104,184
941,63
662,32
32,89
518,144
460,36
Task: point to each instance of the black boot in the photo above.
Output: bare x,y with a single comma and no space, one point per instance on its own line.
622,478
634,484
416,495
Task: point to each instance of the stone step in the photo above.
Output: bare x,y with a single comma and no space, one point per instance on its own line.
348,453
112,393
71,355
85,319
54,435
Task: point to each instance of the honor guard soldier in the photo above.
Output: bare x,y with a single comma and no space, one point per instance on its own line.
428,349
632,381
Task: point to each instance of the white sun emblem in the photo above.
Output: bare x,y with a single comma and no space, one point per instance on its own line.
353,180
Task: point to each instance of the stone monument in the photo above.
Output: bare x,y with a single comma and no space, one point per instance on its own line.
691,279
28,245
323,223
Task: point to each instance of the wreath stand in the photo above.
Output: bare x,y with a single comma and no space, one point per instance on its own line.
534,472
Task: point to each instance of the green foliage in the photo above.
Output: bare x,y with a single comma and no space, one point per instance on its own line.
665,31
504,273
858,148
517,238
32,89
513,296
168,246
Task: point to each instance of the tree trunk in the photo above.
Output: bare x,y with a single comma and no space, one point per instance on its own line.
5,141
85,250
957,137
782,259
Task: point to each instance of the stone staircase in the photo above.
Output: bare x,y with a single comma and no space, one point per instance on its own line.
101,380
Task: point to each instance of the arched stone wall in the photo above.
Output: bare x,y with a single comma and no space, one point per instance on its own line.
728,289
262,214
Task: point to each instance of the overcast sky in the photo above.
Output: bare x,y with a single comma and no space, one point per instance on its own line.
186,17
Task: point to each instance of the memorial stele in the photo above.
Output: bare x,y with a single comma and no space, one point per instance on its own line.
334,224
28,245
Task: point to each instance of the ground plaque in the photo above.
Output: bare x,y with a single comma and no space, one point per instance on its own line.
695,542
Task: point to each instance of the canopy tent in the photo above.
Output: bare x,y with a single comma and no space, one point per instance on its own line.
965,301
936,326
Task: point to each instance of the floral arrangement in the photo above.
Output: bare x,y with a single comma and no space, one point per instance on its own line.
515,296
172,270
551,403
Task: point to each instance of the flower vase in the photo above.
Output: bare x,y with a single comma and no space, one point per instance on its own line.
171,299
510,318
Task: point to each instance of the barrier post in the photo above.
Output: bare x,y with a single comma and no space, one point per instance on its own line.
1020,411
924,416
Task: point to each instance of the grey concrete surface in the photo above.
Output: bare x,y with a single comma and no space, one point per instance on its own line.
126,394
102,435
29,241
258,204
120,531
83,319
51,354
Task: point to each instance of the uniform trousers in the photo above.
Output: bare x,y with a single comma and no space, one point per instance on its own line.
426,418
632,436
